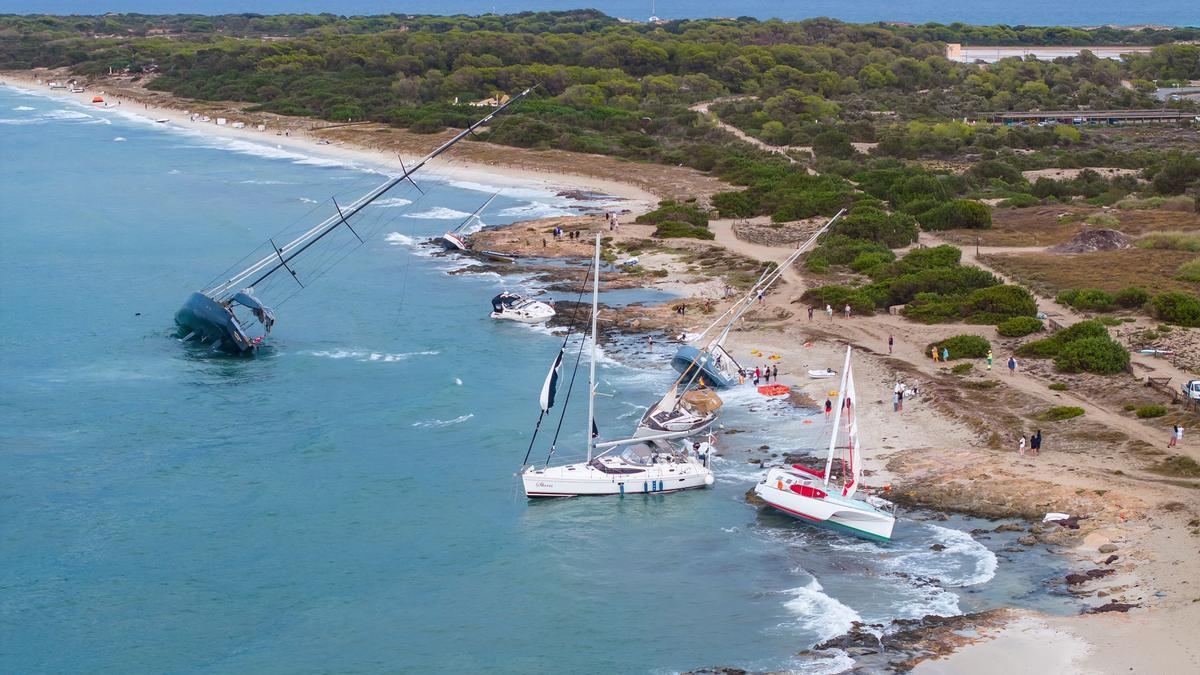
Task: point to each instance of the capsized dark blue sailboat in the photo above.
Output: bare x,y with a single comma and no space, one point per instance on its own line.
716,367
223,316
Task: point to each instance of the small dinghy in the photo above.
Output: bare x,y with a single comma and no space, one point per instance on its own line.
826,374
515,307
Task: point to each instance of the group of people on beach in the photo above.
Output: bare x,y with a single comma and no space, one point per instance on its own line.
1035,444
760,374
610,218
846,311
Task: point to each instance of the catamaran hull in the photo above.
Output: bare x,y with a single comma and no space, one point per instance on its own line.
204,320
593,483
849,515
687,358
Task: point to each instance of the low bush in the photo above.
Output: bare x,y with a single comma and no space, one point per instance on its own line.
1131,297
1059,386
674,229
995,304
962,368
836,249
1087,299
1149,411
1103,220
838,297
1019,201
1051,346
1101,355
962,347
1019,326
957,213
668,211
1059,413
1178,308
1172,241
1178,465
871,224
1189,271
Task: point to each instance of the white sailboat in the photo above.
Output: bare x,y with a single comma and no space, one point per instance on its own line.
455,240
650,464
816,497
678,415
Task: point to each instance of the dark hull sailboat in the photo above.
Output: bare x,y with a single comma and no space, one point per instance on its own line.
223,316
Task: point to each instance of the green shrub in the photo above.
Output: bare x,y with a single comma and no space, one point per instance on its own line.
671,211
1149,411
1059,413
931,308
869,260
733,204
871,224
1131,297
998,303
1100,355
1019,326
1178,465
962,347
674,229
1189,271
1103,220
836,249
1171,241
962,368
838,297
1051,346
1087,299
1059,386
1019,201
957,213
1178,308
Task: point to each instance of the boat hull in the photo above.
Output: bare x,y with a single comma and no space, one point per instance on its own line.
648,427
204,320
538,313
833,511
688,358
452,242
585,481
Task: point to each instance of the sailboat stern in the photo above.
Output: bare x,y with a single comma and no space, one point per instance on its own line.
204,320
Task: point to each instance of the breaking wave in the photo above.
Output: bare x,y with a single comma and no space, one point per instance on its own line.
23,107
438,213
366,356
266,182
119,139
532,210
391,202
820,613
435,423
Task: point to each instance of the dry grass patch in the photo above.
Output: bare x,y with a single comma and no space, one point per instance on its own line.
1058,223
1047,274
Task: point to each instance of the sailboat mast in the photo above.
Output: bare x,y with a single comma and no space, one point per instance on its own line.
837,416
591,423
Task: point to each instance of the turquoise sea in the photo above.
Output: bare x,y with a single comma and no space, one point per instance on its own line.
345,501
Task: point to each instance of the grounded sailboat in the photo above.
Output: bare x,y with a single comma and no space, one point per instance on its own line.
516,307
650,464
222,316
717,366
816,497
678,415
455,240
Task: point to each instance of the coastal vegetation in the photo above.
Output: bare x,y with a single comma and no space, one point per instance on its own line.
961,347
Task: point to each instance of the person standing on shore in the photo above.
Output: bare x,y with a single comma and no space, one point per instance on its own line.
891,340
895,401
650,341
810,312
1021,445
1012,364
829,311
760,297
933,352
1175,436
828,409
900,400
775,372
989,359
847,310
1035,443
945,354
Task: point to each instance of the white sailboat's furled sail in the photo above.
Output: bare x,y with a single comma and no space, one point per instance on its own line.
852,472
550,386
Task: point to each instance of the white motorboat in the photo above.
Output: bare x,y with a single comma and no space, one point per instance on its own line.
826,374
816,497
515,307
680,416
456,239
650,464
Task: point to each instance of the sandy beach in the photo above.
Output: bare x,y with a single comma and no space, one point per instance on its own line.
953,446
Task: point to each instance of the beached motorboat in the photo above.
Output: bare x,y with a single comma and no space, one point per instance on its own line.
816,497
456,239
650,464
678,415
515,307
822,373
716,366
222,316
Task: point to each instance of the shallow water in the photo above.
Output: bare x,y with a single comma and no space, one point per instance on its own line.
346,500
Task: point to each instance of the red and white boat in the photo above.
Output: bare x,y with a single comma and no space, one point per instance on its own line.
456,239
818,497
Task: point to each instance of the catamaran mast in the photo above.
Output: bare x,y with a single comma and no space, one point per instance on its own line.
282,255
591,439
837,416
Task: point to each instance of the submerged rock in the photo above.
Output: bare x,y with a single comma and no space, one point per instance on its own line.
753,499
1113,606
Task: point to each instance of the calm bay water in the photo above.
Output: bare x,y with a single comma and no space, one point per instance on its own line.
1014,12
345,501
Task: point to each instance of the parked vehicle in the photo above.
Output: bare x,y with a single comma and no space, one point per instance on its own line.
1191,390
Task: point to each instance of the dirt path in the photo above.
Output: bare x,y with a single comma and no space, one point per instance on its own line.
781,150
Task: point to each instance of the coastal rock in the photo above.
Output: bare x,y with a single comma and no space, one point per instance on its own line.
753,499
1089,240
1027,540
1113,606
1009,527
1111,559
1107,548
906,642
938,547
